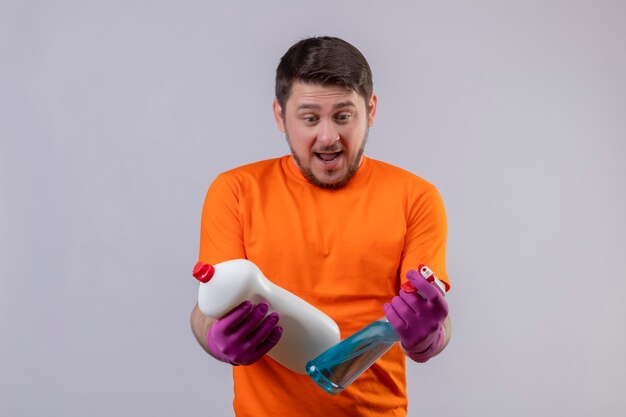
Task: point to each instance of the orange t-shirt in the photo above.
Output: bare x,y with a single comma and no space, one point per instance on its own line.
344,251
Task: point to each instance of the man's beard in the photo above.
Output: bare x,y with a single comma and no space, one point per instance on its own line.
353,167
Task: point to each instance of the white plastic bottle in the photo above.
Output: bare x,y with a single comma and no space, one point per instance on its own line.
307,332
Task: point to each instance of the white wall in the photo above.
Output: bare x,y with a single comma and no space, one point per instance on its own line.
115,116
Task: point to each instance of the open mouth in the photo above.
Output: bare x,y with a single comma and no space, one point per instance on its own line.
328,156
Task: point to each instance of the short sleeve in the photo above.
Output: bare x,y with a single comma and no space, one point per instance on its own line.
426,235
221,231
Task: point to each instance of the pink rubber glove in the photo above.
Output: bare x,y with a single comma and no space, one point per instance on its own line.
244,334
418,317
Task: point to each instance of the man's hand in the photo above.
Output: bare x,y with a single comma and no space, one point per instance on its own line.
245,334
418,318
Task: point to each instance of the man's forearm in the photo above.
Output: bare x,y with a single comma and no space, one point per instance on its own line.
200,325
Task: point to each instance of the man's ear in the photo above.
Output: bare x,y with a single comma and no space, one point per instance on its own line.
371,114
279,116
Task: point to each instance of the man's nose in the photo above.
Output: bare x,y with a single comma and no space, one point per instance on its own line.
328,133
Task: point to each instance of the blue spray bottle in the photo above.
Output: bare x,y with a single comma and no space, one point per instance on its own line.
341,364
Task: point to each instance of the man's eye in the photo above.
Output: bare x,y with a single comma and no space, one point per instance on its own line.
309,119
343,117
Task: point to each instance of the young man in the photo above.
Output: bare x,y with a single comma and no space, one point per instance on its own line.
338,229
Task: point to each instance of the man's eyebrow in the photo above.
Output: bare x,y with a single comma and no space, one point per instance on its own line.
307,106
347,103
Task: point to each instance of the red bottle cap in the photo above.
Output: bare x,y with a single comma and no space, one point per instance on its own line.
203,272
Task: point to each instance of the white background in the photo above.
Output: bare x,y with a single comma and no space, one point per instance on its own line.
115,117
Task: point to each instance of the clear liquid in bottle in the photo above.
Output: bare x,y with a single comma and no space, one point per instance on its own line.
340,365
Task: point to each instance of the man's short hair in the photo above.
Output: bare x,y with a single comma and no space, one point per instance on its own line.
327,61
